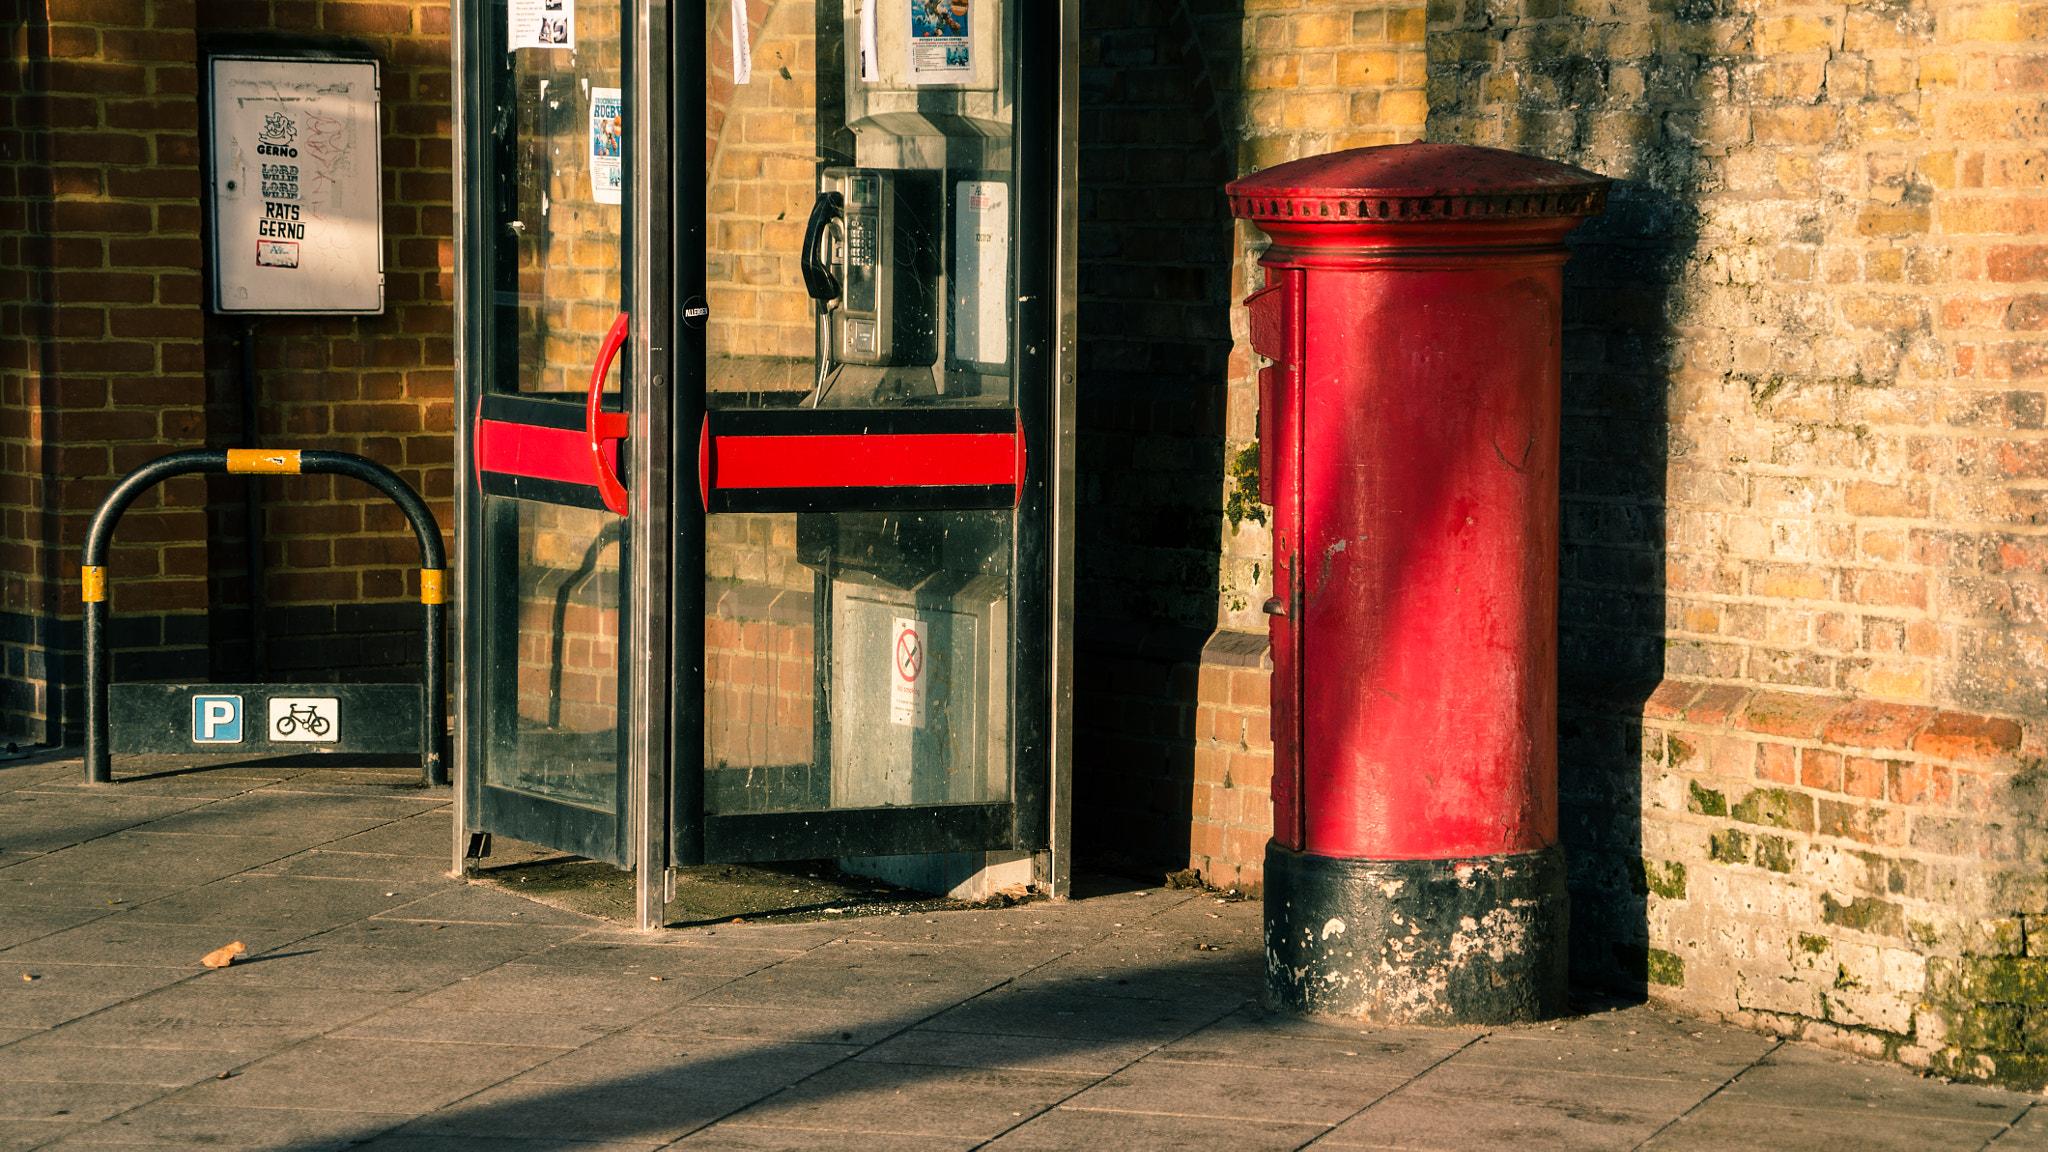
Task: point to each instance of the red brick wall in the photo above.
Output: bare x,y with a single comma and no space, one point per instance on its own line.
340,562
108,359
101,362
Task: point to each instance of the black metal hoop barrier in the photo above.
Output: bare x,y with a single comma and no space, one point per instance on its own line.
245,461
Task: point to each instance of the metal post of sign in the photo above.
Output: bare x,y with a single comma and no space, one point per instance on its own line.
242,461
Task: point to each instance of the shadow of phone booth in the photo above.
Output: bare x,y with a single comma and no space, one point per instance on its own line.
766,375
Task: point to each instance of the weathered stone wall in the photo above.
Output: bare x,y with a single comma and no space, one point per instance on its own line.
1802,489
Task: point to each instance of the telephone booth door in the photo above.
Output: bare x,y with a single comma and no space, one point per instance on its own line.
765,403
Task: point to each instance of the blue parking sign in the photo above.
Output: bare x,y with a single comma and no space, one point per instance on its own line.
216,719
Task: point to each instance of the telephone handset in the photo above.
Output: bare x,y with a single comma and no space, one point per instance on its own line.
871,259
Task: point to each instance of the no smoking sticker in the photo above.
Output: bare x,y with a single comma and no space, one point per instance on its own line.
907,675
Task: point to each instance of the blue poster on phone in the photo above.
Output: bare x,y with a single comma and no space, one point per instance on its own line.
941,48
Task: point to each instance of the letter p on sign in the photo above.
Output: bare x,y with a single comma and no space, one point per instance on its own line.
216,719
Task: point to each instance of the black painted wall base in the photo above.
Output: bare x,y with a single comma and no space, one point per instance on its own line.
1473,941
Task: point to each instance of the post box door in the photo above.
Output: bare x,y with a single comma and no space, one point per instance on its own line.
863,589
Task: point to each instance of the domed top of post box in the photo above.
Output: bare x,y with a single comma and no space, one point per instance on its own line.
1413,183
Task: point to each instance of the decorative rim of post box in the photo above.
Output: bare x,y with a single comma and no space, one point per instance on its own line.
1418,182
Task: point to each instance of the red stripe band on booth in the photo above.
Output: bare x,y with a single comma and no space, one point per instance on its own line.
529,450
880,461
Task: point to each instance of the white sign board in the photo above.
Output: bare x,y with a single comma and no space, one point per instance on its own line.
297,204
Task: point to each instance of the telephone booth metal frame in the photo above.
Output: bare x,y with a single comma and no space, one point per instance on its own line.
661,446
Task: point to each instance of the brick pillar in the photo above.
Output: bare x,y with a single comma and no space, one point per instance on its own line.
100,358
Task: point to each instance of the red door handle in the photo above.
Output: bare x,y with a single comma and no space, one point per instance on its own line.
606,427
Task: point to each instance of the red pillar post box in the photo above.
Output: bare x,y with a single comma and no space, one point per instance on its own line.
1408,445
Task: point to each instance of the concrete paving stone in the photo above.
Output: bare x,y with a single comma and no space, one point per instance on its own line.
284,805
10,1035
18,926
154,860
321,863
632,1110
1018,1013
212,1015
1665,1058
54,1060
178,1123
476,904
763,938
26,892
519,987
1064,1129
70,1100
62,992
730,1137
982,1050
1256,1020
203,786
367,782
1223,1045
127,939
368,1075
1799,1076
287,902
912,990
584,954
391,956
850,1024
1716,1126
20,1135
542,1029
679,1061
402,1142
922,1099
1236,1092
2029,1133
263,813
1452,1107
424,835
1207,988
39,821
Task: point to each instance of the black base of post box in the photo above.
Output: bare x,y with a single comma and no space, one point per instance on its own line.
1472,941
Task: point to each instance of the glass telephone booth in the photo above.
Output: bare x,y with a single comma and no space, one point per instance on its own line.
765,443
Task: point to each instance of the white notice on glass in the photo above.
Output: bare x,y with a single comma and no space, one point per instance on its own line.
607,146
907,673
540,23
742,45
941,51
981,271
870,64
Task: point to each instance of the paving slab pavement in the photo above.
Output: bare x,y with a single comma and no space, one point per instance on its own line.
385,1005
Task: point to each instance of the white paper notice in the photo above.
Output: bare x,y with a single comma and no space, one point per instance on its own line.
907,673
607,146
870,66
981,271
742,45
940,48
540,23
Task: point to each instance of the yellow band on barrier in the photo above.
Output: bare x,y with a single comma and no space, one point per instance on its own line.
430,586
92,583
284,461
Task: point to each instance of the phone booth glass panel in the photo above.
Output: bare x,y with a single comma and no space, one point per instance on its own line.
826,625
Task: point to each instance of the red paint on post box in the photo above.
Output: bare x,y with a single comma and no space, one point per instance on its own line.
1409,447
